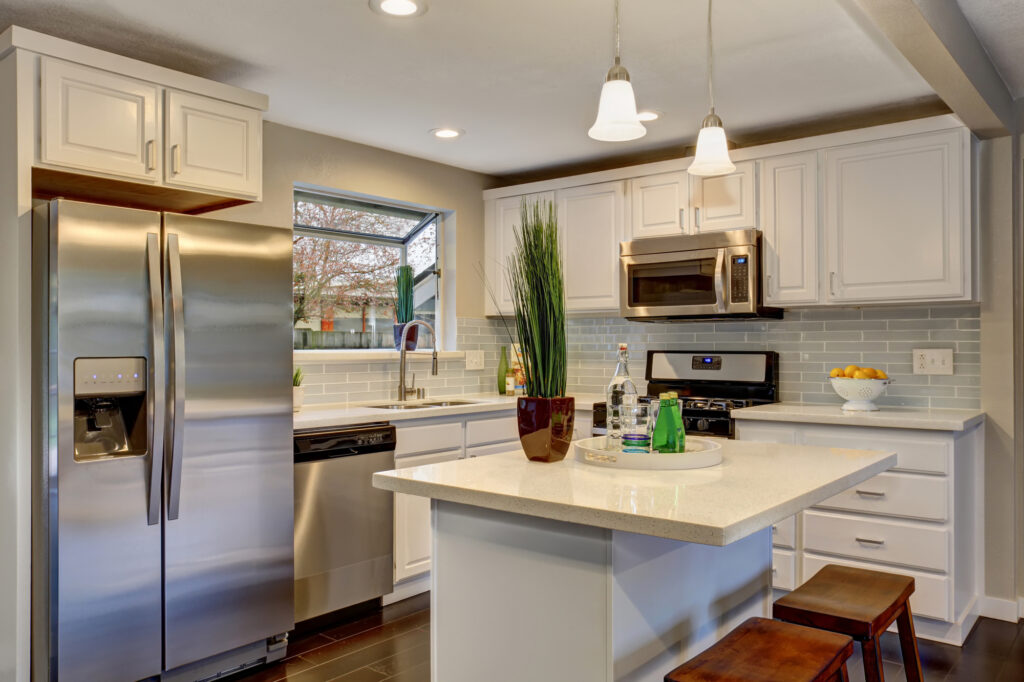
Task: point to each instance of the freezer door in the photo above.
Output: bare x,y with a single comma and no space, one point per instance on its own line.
105,604
228,558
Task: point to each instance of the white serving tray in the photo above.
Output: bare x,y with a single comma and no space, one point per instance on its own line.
700,453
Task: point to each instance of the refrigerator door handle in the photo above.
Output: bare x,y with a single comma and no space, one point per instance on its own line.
178,374
157,379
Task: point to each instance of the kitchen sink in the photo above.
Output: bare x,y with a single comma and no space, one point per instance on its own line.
449,403
399,406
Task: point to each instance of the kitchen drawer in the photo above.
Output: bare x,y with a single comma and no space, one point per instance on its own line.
481,431
493,448
921,497
932,593
784,533
922,452
783,569
895,542
416,439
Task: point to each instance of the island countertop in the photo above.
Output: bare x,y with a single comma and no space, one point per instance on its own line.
755,486
937,419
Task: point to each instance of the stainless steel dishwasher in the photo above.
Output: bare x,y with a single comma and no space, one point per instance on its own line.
344,527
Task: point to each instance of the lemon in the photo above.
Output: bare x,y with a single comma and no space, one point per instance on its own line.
879,374
860,374
870,372
849,371
837,372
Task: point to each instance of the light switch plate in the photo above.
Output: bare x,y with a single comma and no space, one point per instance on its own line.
933,360
474,359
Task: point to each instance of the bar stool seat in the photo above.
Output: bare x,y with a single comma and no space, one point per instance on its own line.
861,604
762,650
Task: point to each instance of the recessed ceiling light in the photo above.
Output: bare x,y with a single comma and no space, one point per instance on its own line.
399,8
646,116
446,133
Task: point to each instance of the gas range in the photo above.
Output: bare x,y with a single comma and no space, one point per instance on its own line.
710,384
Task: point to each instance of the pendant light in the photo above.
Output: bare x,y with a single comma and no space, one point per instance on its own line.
712,149
616,112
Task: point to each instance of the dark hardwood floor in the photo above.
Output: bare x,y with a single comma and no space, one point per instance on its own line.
393,645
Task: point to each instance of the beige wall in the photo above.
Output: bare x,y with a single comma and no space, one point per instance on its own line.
995,218
291,155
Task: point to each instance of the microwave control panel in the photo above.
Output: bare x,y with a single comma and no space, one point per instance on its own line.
740,279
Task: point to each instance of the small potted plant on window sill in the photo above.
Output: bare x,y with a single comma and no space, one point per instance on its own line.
298,392
404,313
535,278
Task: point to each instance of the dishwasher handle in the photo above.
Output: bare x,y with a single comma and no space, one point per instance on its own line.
324,444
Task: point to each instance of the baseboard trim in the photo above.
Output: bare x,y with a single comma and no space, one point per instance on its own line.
409,588
1000,609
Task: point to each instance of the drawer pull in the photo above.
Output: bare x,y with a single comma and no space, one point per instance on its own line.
869,493
869,541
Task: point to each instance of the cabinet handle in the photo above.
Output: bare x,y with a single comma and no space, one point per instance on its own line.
768,286
682,219
150,155
869,541
869,493
696,216
775,529
832,283
176,159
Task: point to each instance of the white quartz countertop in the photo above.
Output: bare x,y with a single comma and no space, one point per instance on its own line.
345,414
755,486
890,417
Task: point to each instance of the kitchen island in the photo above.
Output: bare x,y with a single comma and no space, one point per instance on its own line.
569,572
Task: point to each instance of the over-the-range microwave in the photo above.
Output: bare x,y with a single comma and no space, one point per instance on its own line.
703,276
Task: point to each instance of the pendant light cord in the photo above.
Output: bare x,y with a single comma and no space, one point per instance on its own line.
711,88
616,32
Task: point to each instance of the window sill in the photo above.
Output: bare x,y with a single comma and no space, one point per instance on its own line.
369,355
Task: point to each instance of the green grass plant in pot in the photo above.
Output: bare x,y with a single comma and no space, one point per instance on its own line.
535,278
404,313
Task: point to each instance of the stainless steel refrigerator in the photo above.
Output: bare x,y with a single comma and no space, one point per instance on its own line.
163,459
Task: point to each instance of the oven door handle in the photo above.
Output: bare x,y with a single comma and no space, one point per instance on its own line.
720,279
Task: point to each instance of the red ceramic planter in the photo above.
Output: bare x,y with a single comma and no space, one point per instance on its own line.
545,427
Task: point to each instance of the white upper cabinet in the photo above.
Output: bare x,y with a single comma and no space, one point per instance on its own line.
502,216
212,146
725,202
789,220
591,220
98,122
897,221
659,205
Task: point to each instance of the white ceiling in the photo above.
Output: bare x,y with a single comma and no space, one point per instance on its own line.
521,77
1000,26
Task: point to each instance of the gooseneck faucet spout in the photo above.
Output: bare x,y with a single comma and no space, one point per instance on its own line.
403,390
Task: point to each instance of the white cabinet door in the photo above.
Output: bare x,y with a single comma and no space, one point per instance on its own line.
212,146
659,205
789,220
502,216
725,202
591,220
98,122
413,537
897,224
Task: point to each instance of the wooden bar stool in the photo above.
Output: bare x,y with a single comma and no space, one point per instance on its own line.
861,604
762,650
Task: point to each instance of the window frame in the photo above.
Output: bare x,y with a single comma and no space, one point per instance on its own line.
430,215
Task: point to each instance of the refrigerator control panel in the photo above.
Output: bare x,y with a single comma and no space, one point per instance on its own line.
109,376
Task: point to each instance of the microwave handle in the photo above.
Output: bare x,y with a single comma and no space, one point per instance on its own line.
720,279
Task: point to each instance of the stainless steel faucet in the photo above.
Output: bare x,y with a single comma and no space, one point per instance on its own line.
402,388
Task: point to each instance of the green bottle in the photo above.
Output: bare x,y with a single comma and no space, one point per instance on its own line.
666,434
502,370
677,414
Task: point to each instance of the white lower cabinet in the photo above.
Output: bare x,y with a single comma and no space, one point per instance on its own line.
412,521
917,519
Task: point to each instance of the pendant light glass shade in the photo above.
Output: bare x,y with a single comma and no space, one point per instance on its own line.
712,150
712,157
617,120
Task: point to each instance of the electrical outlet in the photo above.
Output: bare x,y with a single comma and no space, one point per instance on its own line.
474,359
933,360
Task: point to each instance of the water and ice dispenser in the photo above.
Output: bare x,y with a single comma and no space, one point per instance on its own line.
110,408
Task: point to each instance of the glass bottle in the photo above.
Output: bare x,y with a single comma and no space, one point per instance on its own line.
677,415
621,399
502,369
666,435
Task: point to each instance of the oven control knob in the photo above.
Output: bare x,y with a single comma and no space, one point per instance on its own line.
702,424
688,424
